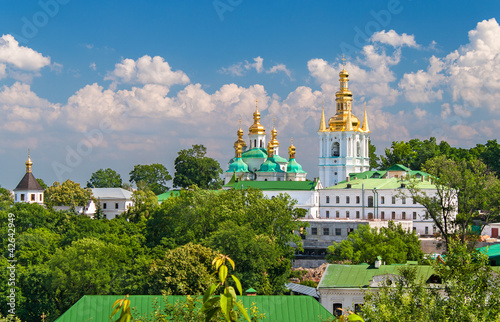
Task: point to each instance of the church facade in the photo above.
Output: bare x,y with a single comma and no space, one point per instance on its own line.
343,141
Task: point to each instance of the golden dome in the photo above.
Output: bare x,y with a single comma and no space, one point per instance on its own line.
270,150
256,127
237,150
338,122
343,73
274,133
291,150
240,140
28,163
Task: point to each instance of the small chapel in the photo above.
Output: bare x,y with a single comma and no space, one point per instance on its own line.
29,190
257,161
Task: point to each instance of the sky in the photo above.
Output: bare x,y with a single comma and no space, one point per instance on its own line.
87,85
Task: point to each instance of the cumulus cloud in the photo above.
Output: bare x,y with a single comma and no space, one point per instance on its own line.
280,68
21,57
420,87
257,64
146,70
241,68
394,39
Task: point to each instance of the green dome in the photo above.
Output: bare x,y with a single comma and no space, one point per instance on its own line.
279,159
238,166
270,166
294,167
259,153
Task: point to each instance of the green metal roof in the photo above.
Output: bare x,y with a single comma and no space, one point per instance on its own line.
294,167
270,166
171,193
493,251
97,308
260,153
275,185
392,183
398,167
238,166
279,159
356,276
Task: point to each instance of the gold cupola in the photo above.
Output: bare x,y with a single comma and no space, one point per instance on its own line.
28,163
274,133
270,150
240,140
237,150
256,127
344,105
291,150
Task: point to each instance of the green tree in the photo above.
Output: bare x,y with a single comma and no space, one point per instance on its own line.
154,177
398,153
192,167
6,199
68,193
465,191
185,270
392,243
105,178
374,159
145,203
42,183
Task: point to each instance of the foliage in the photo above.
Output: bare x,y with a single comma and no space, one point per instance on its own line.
41,183
192,167
223,304
124,306
6,199
465,191
468,292
154,177
184,270
392,243
374,159
309,283
68,193
107,178
144,203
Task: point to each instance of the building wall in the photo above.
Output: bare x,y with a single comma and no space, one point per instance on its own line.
26,196
347,297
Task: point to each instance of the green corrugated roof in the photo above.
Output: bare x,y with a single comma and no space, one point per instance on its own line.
392,183
275,185
238,166
270,166
279,159
398,167
294,167
168,194
493,251
356,276
97,308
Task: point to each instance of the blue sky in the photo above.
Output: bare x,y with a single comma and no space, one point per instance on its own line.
90,85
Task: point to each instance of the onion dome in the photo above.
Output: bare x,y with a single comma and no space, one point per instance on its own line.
256,127
238,165
28,163
240,140
270,150
293,166
274,133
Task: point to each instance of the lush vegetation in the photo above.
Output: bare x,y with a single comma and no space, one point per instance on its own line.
165,248
193,167
392,243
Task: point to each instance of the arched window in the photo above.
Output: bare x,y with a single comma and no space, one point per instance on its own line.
261,143
335,149
254,143
358,149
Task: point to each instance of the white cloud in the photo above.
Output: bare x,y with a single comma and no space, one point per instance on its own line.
280,68
420,87
394,39
3,71
233,70
419,113
146,70
93,66
445,110
241,68
257,64
21,57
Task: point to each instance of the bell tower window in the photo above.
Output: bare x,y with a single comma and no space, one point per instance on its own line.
335,149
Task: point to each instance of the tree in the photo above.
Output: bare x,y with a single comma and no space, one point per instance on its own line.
192,167
374,159
42,183
107,178
392,243
68,194
145,202
465,191
468,291
6,199
399,153
154,177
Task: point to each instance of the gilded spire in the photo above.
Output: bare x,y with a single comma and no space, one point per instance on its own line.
240,140
237,150
270,150
322,123
256,127
274,133
28,163
348,122
291,150
365,127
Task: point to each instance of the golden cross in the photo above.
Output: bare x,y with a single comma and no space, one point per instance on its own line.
256,101
292,140
43,316
343,61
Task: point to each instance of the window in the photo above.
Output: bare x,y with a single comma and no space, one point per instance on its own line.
347,199
337,309
338,232
350,230
104,216
41,199
426,230
434,229
358,308
326,231
337,214
104,206
327,199
16,196
314,231
370,216
414,215
22,196
337,199
403,200
327,214
33,197
403,215
415,230
357,199
393,215
357,214
382,200
347,214
414,202
335,149
370,201
393,200
382,215
358,149
116,205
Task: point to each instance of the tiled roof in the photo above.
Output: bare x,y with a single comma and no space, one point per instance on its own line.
28,182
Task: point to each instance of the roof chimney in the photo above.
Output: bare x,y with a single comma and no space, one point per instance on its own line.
378,262
348,178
